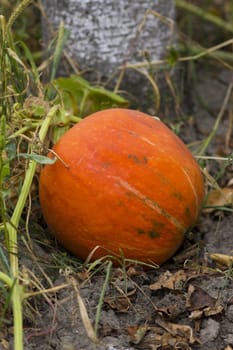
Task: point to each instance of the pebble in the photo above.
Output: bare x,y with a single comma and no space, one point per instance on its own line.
210,331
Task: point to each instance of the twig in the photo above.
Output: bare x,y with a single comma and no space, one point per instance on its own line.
207,51
164,63
197,49
214,158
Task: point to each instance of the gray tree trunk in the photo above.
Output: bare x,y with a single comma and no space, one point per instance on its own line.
104,35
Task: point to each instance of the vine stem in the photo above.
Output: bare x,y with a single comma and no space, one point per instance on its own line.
17,292
6,279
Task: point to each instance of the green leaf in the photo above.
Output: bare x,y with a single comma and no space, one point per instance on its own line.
38,158
10,149
62,37
5,171
172,56
81,99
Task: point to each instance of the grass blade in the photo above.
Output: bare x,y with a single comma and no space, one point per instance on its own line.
61,40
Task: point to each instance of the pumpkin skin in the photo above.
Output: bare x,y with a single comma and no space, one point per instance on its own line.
126,183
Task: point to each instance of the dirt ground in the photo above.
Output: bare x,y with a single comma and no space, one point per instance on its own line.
185,304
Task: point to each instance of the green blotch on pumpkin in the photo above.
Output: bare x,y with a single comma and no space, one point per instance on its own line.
137,160
153,234
177,195
157,225
106,165
130,194
140,231
187,212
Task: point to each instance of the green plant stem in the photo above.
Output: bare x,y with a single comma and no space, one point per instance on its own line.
3,89
101,299
198,11
17,297
35,125
6,279
24,129
12,227
83,101
17,293
61,40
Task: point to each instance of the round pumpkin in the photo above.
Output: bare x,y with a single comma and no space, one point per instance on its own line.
125,182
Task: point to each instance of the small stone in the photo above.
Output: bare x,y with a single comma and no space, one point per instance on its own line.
229,313
210,331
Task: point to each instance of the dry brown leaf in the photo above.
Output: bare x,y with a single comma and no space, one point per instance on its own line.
219,197
213,310
120,303
186,332
196,314
173,342
153,339
171,281
182,332
198,299
201,303
83,275
222,259
207,312
168,336
137,333
170,310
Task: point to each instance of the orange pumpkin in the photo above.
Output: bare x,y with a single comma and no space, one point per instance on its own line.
126,183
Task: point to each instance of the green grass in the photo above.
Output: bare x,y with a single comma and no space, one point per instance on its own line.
30,110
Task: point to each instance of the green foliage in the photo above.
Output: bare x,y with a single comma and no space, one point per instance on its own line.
172,56
62,37
38,158
81,98
4,163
